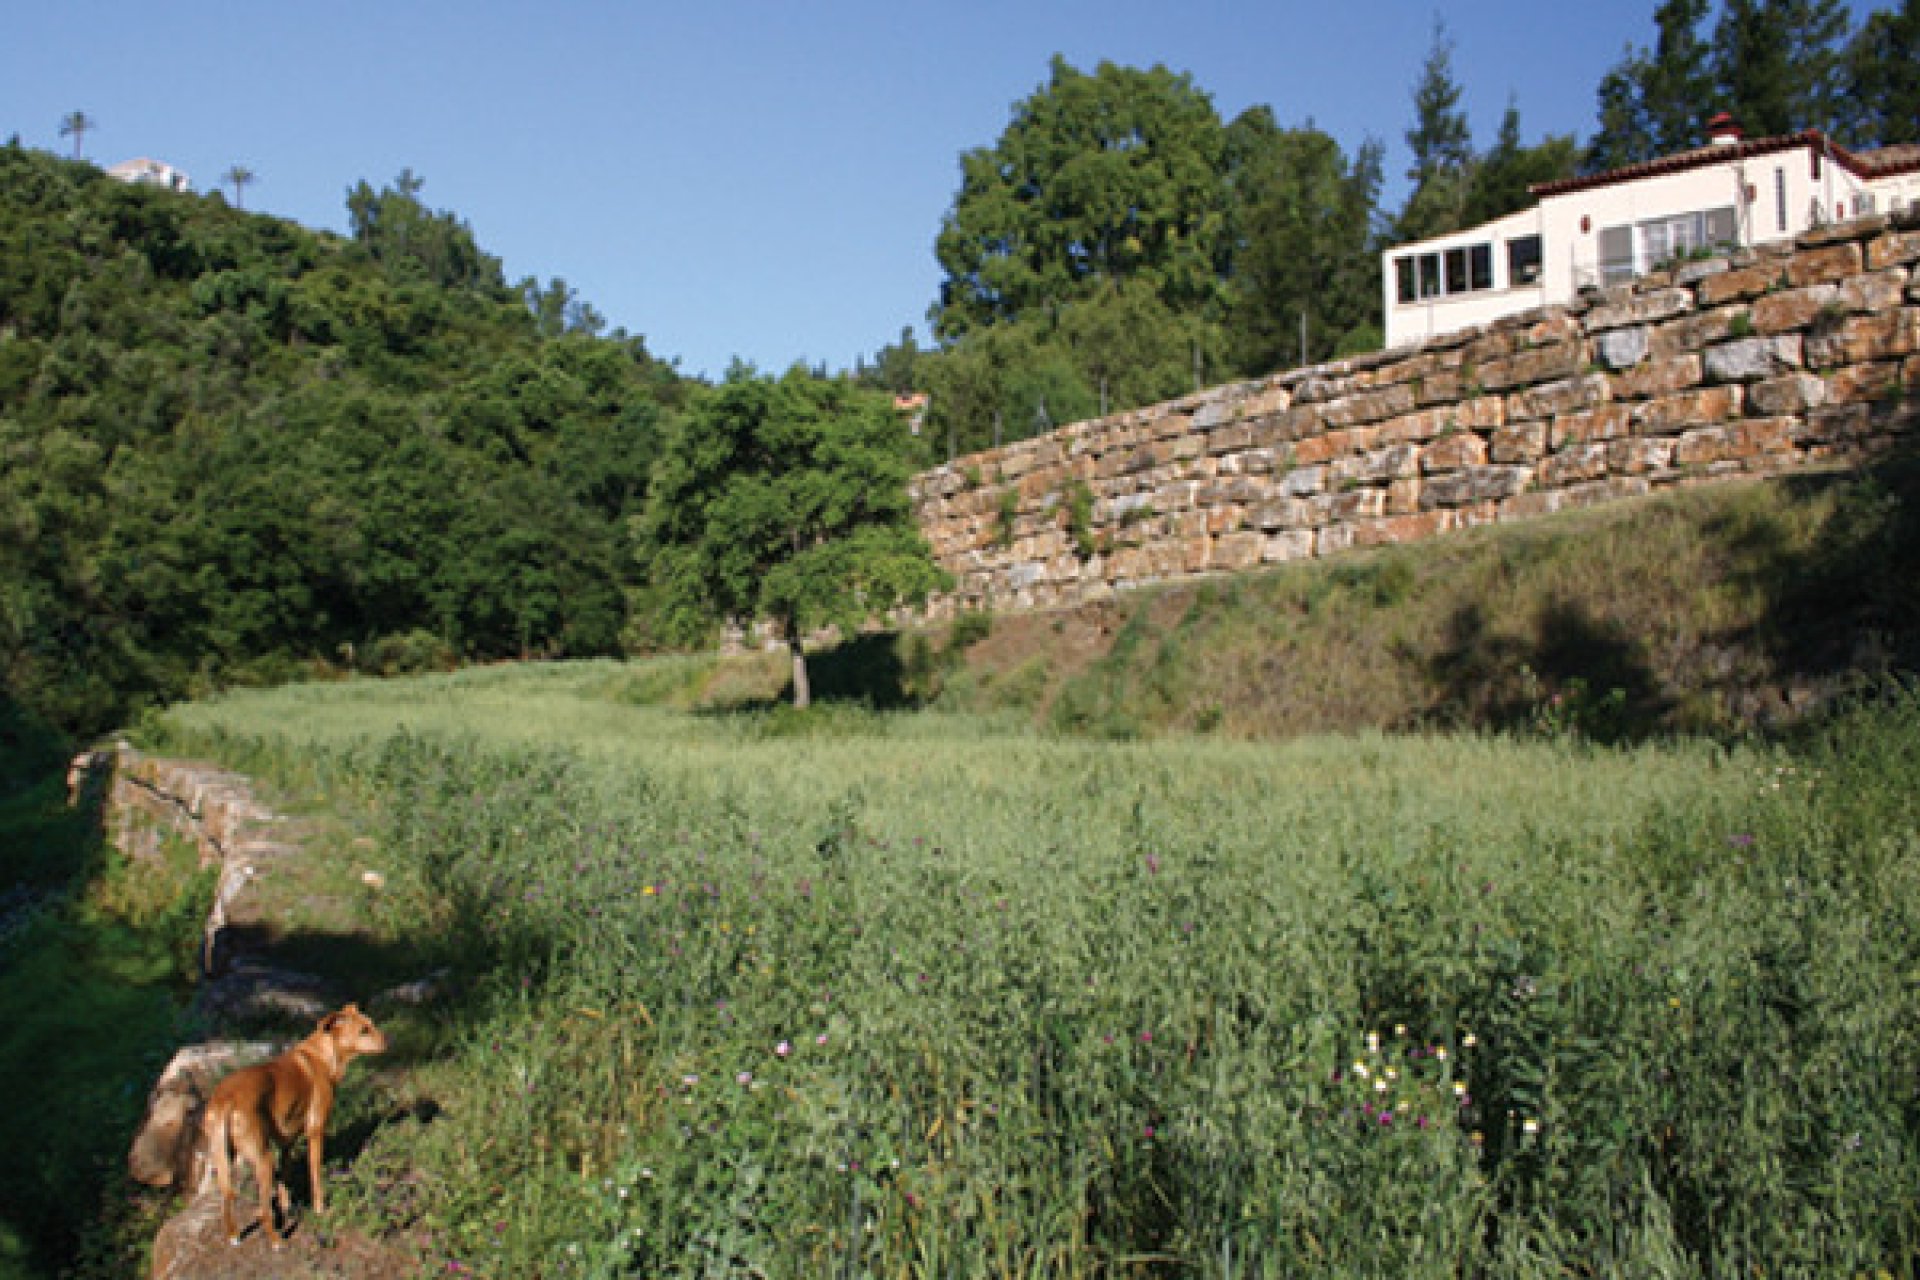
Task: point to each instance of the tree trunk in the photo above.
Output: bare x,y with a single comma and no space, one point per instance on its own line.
802,692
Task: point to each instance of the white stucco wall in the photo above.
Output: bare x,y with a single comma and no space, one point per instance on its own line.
1773,195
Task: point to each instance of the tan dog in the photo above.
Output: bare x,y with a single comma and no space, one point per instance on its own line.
258,1109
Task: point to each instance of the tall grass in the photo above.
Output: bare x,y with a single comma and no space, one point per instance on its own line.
926,996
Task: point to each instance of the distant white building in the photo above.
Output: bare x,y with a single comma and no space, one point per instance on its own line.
1607,228
152,173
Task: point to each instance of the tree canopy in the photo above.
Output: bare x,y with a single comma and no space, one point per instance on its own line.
1777,66
785,500
234,447
1100,179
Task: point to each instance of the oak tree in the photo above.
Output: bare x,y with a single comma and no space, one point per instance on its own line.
785,500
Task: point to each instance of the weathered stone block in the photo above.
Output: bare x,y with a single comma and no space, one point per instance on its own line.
1237,551
1639,309
1574,464
1525,368
1793,393
1693,332
1559,397
1792,308
1397,529
1659,377
1822,265
1454,451
1606,422
1519,443
1670,414
1474,484
1621,348
1859,339
1749,359
1735,286
1295,544
1864,383
1304,482
1639,457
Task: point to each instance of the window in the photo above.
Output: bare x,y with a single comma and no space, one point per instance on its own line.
1627,251
1523,261
1616,254
1444,273
1780,196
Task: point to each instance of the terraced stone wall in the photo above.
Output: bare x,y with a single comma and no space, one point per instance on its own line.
1763,362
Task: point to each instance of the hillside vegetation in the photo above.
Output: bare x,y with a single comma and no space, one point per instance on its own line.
235,448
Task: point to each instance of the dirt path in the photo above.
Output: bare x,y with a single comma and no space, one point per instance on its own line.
286,941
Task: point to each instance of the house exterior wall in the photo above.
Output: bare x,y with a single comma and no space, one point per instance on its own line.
151,173
1508,290
1611,231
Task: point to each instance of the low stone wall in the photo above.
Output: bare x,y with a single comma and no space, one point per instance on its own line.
1767,361
148,798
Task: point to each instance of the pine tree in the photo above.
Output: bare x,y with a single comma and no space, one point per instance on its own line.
1442,146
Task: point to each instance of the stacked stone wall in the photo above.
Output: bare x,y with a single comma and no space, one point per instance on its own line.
1763,362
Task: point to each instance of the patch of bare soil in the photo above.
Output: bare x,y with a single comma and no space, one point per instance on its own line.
1070,640
192,1246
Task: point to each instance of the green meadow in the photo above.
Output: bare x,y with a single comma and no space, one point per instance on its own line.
936,993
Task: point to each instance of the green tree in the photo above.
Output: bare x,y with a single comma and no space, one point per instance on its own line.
1882,75
1099,179
1656,101
75,125
1305,269
1777,63
559,309
786,500
1503,178
1442,145
410,240
239,177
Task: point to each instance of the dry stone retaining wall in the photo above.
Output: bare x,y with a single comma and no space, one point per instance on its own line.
1767,361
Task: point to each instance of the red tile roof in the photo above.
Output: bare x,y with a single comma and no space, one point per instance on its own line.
1867,164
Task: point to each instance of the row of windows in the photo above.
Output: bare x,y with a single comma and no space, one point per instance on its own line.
1446,273
1630,250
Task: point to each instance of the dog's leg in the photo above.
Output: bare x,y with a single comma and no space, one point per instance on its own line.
216,1130
316,1160
251,1145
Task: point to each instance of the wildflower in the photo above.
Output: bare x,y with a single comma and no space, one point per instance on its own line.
744,1078
1360,1069
1440,1052
1468,1040
1146,1037
1373,1042
782,1049
1379,1086
820,1039
1530,1126
1386,1119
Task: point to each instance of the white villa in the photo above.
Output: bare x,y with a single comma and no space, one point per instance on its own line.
152,173
1610,227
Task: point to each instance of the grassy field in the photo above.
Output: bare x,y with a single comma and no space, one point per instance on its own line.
937,994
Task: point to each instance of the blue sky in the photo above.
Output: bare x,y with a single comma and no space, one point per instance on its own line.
752,178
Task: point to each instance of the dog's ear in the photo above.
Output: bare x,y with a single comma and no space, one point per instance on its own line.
353,1009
